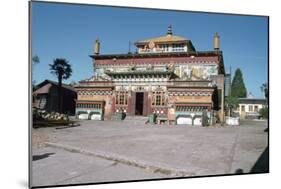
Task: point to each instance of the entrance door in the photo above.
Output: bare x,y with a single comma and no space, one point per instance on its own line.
139,104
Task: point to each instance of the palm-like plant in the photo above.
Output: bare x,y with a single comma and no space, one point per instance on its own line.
231,103
62,70
35,59
264,89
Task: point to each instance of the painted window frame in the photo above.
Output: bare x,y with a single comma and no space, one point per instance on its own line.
250,108
158,98
121,98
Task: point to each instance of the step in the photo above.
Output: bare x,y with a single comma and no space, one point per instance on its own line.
137,118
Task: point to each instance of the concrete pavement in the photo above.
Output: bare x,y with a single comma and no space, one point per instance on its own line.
172,150
59,167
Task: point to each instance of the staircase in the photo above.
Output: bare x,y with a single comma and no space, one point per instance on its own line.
136,119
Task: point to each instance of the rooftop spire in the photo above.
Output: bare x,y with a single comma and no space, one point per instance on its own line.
169,32
216,41
97,47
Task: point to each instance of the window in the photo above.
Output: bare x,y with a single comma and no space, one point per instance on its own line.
250,108
256,109
178,47
164,47
158,98
121,98
243,108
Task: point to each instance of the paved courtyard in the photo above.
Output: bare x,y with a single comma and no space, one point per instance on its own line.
129,150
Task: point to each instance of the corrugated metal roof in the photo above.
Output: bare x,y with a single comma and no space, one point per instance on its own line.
45,86
252,100
44,89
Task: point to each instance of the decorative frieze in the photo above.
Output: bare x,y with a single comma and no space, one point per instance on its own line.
94,92
191,108
186,93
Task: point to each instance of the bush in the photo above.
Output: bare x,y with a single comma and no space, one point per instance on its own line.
264,113
39,115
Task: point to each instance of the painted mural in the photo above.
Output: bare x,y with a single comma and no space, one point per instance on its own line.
196,72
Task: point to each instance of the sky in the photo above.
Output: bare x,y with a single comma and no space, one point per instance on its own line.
69,31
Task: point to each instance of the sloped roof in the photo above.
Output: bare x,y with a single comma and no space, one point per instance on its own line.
252,100
44,89
164,38
45,86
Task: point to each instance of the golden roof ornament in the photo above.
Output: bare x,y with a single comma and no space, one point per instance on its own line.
151,45
216,41
97,47
169,32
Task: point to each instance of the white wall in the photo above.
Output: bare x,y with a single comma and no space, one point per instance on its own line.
247,107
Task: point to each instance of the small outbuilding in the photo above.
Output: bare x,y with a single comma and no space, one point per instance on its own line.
45,97
249,108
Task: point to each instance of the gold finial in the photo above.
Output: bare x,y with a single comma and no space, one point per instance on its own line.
216,41
169,32
97,47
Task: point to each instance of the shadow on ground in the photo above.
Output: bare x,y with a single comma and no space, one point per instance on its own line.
261,165
38,157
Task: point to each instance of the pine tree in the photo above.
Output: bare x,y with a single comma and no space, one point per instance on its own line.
238,88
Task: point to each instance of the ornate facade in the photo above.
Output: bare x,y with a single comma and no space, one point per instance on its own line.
167,76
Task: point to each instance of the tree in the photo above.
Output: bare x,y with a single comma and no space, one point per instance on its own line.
35,59
264,89
231,103
264,111
238,88
72,83
62,70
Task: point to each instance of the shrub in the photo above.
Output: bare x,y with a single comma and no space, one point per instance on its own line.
264,112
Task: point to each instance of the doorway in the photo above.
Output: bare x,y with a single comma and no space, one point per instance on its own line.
139,104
